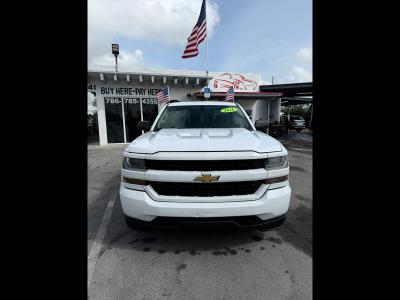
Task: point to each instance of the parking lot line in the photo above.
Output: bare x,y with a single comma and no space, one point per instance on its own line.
98,241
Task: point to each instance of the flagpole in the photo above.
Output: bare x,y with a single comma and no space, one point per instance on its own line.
206,45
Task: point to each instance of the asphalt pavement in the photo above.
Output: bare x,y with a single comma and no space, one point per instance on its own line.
200,265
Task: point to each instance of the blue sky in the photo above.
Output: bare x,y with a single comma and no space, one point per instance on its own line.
272,38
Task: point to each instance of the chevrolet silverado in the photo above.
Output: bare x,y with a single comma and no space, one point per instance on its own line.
203,162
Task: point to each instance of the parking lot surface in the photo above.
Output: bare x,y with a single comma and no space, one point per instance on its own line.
199,265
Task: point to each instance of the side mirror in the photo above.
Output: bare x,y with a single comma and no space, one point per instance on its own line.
144,125
260,124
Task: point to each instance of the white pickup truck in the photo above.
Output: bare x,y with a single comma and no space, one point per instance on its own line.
203,162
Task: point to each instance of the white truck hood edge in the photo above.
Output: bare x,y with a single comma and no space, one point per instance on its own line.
211,139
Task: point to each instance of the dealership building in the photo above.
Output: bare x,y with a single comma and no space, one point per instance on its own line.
125,98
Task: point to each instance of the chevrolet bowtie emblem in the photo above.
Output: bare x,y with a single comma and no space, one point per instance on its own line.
206,178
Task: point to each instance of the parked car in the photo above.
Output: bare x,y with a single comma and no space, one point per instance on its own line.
204,163
297,123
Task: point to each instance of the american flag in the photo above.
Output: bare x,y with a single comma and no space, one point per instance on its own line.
163,96
230,95
198,34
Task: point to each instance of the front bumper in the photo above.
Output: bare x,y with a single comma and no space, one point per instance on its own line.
237,223
139,206
299,126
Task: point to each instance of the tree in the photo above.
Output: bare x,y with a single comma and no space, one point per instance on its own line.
92,99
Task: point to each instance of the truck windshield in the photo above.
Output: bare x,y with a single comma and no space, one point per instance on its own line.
202,116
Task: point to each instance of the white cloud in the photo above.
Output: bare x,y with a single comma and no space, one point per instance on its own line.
126,60
298,74
168,21
301,71
265,82
304,55
301,74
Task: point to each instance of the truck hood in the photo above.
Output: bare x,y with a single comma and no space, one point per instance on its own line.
210,139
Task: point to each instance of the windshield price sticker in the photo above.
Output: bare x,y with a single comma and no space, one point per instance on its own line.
228,109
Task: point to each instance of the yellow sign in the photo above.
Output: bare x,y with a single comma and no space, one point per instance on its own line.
206,178
228,109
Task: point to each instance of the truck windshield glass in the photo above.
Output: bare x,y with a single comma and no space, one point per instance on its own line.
202,116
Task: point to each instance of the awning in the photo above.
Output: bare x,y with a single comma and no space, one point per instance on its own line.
291,89
286,101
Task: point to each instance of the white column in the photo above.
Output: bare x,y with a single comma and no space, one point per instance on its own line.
123,119
280,109
141,112
101,115
268,117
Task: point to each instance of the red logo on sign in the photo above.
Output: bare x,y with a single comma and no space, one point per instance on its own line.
238,81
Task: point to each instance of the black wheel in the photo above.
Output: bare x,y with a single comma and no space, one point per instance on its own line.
298,129
136,225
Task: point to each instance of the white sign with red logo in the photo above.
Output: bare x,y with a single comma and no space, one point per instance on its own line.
243,83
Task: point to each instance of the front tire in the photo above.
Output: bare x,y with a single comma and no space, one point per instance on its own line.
298,129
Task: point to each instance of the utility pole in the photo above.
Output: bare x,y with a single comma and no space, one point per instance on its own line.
272,80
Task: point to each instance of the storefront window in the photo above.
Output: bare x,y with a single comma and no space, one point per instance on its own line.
113,110
150,109
132,117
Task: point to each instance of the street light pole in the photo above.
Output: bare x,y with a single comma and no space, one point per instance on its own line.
115,51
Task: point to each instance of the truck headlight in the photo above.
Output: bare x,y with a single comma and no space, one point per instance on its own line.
277,162
130,163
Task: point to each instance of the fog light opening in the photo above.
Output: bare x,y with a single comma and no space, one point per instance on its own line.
134,181
276,179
